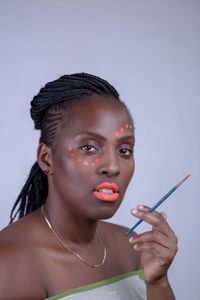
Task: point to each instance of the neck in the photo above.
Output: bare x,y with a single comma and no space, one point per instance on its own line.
70,226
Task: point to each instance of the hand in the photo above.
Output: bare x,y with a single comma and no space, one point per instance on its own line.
158,246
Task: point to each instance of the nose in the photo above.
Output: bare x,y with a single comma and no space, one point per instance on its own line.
109,164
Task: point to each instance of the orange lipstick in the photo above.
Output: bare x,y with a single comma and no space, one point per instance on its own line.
107,192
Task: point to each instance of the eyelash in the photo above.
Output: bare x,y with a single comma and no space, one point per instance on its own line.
88,145
94,148
126,149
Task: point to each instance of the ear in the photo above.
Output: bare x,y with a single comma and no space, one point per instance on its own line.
44,158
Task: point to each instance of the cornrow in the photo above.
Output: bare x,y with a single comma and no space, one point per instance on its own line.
47,109
66,88
33,193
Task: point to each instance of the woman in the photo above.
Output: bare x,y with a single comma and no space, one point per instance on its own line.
61,247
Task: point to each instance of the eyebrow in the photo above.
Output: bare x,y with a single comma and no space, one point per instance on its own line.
99,136
91,133
127,137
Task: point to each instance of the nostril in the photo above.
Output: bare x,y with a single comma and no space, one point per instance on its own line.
109,166
110,173
104,172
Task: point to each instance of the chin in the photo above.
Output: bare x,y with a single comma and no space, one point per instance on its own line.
105,213
106,217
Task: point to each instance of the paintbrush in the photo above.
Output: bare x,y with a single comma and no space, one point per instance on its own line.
159,203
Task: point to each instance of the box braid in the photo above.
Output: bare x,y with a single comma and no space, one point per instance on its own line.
47,109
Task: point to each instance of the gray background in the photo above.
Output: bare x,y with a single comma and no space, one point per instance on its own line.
150,51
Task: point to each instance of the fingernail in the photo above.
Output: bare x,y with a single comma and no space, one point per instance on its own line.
134,211
131,239
140,206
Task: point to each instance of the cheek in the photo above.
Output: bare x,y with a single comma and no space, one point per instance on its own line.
70,179
128,171
74,170
133,167
85,161
71,175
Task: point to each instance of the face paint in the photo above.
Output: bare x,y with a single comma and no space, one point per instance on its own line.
97,159
83,162
122,129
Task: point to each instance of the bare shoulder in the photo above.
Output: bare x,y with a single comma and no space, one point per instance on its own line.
113,229
115,236
19,264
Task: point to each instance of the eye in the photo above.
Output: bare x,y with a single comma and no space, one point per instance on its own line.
88,148
125,152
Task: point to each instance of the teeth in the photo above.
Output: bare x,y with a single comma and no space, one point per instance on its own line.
106,191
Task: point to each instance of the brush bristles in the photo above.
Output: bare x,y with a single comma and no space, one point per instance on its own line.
184,179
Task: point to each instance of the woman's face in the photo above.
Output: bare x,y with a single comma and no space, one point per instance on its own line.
94,147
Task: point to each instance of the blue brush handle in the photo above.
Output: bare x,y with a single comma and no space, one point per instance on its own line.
152,209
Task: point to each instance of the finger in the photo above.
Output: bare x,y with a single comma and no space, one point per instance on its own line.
143,210
142,207
155,236
155,219
164,215
133,236
151,247
164,255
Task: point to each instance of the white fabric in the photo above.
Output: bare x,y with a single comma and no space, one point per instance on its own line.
129,288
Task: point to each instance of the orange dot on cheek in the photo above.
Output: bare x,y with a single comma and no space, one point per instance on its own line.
122,130
72,154
78,159
97,160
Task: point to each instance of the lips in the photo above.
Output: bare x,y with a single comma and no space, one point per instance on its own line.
107,192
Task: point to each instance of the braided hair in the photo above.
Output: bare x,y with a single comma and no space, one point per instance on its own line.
47,109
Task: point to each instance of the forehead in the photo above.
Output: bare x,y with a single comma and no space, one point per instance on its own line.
98,113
